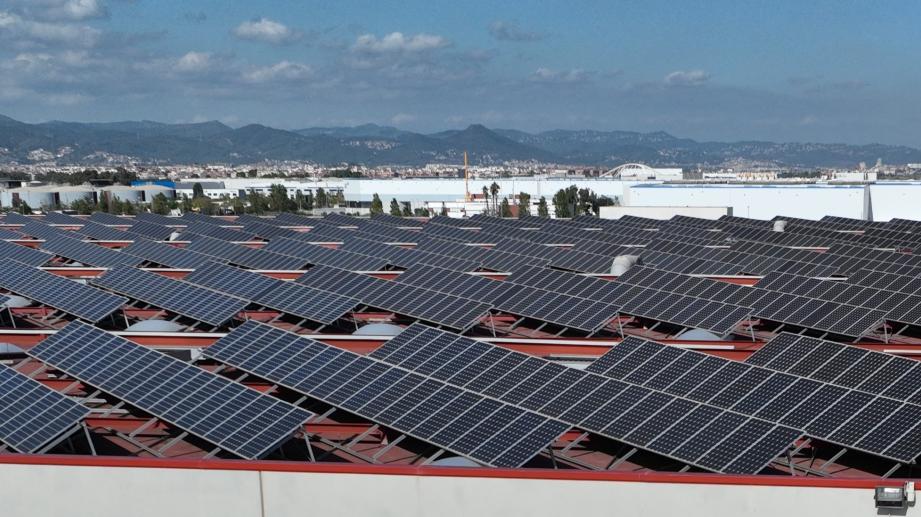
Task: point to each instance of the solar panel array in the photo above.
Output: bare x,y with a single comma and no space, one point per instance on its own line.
288,297
183,298
168,256
219,232
692,432
567,311
314,254
61,293
244,256
23,254
150,230
837,318
424,304
422,406
32,414
87,253
852,418
406,258
233,417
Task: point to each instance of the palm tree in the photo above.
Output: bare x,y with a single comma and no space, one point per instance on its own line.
494,190
486,198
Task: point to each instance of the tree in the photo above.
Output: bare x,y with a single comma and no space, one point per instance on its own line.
23,208
524,204
395,208
186,204
494,190
566,202
377,207
83,206
542,209
239,206
407,212
252,173
159,204
504,209
486,199
258,203
444,209
240,174
321,200
278,198
197,191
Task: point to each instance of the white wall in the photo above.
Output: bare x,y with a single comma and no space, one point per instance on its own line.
78,491
895,200
757,201
663,212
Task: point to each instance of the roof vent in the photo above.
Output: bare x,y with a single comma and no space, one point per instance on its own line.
779,225
624,262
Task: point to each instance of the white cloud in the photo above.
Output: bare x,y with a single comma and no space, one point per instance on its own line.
23,31
547,75
60,10
397,42
687,78
282,71
194,62
508,31
402,118
268,31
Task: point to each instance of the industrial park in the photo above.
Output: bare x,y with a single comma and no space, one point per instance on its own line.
423,258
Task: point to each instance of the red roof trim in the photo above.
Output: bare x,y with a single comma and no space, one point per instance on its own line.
395,470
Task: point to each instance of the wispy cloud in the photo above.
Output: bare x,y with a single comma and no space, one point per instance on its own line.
510,31
267,31
687,78
281,71
547,75
397,42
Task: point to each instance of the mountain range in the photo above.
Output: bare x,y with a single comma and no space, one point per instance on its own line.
371,144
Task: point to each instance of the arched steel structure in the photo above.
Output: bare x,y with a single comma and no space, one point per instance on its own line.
616,172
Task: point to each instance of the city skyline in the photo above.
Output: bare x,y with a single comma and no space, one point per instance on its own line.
822,72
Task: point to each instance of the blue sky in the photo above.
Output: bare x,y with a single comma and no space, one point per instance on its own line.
843,71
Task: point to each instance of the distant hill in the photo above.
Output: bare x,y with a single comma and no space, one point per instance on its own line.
371,144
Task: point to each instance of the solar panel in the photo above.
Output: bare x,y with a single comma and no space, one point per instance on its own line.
32,414
159,219
168,256
183,298
110,220
61,293
87,253
288,297
233,417
289,219
61,218
399,222
826,411
39,230
219,232
406,258
23,254
267,230
485,430
568,311
244,256
10,235
623,411
15,218
424,304
325,256
151,230
101,232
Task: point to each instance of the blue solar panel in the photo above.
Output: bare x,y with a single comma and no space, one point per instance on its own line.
61,293
183,298
87,253
233,417
32,414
